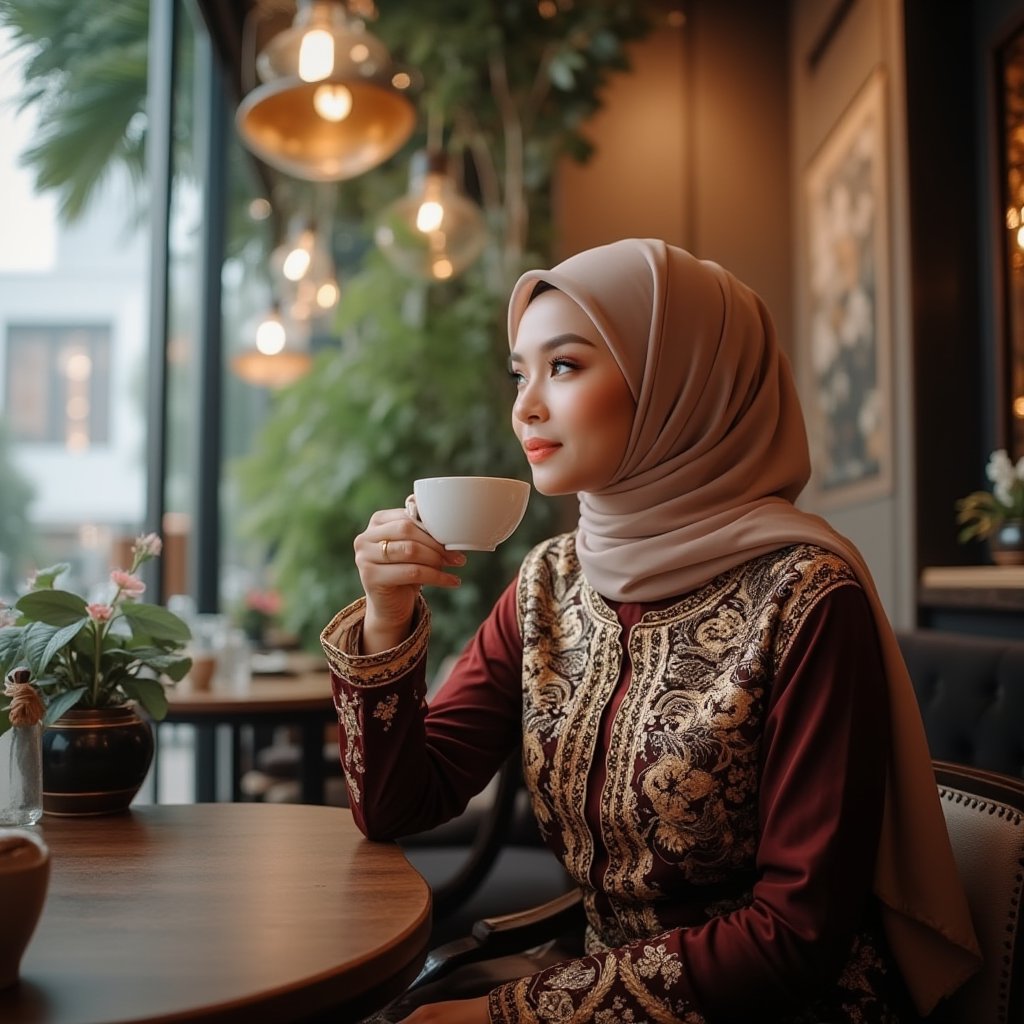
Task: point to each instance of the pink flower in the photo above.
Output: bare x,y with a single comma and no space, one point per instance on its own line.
99,612
267,602
148,546
129,585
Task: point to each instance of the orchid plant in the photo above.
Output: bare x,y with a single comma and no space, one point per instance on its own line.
98,654
981,513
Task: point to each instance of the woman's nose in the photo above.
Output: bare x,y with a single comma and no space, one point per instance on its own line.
529,407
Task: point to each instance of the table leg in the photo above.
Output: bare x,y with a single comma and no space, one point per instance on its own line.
206,763
311,768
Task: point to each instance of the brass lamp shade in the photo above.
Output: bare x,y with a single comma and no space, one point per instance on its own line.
271,371
279,123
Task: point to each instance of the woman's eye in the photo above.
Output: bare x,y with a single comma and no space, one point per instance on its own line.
562,365
516,377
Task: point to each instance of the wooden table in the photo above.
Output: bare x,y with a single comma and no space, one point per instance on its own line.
219,912
303,701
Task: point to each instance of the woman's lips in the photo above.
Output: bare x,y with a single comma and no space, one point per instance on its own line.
538,451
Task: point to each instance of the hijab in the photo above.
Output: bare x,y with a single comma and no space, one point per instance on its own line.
716,457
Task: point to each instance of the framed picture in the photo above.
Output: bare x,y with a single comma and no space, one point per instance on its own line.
846,359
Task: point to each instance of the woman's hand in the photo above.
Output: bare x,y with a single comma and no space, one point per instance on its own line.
395,557
458,1011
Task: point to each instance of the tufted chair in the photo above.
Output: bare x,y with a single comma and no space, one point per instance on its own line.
971,693
985,816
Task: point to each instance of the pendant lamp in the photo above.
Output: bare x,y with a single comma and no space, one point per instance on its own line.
433,231
279,356
331,106
304,274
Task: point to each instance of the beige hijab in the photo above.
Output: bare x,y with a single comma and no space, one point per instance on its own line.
717,455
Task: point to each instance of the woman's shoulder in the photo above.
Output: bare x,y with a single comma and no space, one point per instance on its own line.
798,576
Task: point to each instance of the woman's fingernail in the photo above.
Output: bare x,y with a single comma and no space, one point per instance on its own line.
455,558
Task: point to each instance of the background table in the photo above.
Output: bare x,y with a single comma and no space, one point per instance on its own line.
220,912
303,701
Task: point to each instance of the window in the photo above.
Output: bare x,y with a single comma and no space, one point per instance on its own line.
58,385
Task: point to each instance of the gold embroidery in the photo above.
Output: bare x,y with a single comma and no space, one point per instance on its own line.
340,641
352,753
385,710
681,769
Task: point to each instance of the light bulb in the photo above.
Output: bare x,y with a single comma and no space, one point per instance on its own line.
1020,237
333,102
327,295
316,55
296,263
409,231
429,216
270,335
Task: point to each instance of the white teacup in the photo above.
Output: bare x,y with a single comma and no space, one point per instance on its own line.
468,513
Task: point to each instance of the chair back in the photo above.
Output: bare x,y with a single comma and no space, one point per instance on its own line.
984,814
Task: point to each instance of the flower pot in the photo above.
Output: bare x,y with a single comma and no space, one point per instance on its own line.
1007,543
95,760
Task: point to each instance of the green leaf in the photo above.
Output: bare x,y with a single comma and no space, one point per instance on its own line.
149,693
45,577
36,638
54,607
62,703
10,648
59,639
156,622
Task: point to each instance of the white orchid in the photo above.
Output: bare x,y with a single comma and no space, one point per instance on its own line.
981,514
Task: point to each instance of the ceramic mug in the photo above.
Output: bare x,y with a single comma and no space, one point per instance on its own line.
24,877
468,513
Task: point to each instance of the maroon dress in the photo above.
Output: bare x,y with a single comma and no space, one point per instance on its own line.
709,769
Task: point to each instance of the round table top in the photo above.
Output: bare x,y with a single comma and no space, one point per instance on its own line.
218,912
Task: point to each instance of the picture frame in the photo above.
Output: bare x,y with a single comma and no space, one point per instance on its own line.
846,356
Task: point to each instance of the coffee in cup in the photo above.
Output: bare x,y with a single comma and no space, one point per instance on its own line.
468,513
24,877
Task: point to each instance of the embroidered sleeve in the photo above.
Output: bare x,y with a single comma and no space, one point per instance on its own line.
373,694
341,639
407,766
642,981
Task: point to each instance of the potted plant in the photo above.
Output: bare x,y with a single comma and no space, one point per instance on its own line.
93,662
997,516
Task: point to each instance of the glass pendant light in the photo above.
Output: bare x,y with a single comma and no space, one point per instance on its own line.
331,106
279,355
433,231
303,270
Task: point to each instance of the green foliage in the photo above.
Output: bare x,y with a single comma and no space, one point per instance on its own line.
86,77
400,400
94,655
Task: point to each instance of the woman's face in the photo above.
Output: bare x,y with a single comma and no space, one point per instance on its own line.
573,411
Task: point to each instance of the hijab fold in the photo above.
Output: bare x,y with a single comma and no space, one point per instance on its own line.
716,457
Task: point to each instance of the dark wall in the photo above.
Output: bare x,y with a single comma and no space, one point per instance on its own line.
954,285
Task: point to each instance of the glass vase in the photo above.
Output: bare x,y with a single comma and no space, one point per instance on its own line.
21,775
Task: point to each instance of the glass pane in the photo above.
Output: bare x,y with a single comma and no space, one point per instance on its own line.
73,316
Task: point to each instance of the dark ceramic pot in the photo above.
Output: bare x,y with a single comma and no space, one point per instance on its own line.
1007,543
95,760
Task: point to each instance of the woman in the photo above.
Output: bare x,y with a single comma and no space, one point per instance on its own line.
719,737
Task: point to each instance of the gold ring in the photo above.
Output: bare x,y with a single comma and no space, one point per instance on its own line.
384,550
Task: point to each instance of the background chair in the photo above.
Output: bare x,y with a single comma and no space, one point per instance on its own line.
985,817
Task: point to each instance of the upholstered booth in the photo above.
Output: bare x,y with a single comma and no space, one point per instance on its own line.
971,693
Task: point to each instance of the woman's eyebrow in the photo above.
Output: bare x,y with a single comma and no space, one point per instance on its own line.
556,342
